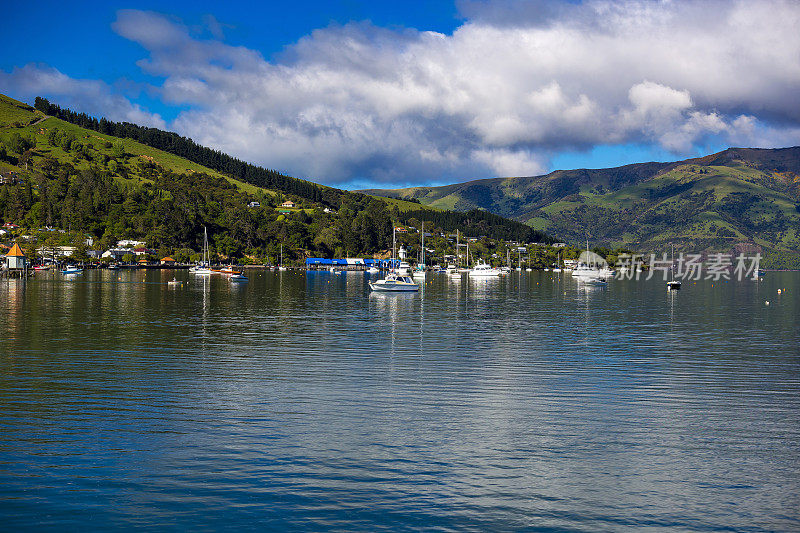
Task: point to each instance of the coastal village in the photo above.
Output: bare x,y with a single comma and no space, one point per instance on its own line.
25,252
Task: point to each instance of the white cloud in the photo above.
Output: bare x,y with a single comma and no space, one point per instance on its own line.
89,96
514,85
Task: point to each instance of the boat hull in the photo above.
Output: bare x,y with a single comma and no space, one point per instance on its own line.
394,287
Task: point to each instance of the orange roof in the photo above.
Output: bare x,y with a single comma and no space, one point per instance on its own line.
168,258
15,251
142,261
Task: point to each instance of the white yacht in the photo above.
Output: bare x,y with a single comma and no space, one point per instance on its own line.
203,268
280,265
481,269
394,283
589,269
398,280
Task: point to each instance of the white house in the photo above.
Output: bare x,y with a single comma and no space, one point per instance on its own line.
128,243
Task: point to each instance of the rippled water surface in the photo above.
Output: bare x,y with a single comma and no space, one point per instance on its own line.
301,401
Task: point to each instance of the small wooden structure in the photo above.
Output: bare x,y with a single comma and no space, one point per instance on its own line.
15,259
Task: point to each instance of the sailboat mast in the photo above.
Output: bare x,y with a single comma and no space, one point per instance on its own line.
672,263
423,243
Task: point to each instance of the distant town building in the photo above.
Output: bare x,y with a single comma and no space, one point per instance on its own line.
560,245
289,204
254,204
168,261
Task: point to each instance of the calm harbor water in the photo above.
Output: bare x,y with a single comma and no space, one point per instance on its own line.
301,401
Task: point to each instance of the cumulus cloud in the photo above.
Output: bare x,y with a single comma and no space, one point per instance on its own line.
514,85
88,96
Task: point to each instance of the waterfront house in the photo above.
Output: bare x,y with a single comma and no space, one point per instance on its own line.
15,259
167,261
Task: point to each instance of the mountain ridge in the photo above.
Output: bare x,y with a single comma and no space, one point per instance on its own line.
713,202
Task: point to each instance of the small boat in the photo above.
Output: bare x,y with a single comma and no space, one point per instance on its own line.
113,267
373,270
228,270
72,270
673,284
203,268
238,277
394,283
482,270
39,268
174,283
281,268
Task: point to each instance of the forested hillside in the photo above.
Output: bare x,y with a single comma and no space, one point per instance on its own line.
90,183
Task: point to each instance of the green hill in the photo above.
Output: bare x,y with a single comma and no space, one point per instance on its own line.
740,195
113,180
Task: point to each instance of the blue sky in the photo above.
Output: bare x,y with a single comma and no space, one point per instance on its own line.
387,94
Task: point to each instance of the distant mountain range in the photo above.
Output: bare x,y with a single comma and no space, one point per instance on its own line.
740,195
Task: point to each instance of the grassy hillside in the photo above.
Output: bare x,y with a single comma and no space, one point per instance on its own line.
59,175
710,203
23,119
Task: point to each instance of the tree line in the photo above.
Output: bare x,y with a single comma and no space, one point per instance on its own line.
478,222
188,149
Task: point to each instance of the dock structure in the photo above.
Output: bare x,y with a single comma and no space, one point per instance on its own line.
15,264
351,263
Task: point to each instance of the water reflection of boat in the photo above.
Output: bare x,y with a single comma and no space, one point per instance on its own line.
598,282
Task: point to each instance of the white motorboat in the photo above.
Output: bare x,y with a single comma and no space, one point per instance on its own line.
72,269
482,269
370,270
394,283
